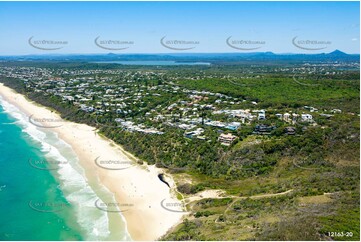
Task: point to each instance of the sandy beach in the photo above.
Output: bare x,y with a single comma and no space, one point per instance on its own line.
138,191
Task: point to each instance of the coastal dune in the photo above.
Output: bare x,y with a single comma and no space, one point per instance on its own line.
139,193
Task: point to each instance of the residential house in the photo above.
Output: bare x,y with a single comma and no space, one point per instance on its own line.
194,133
286,117
290,130
261,115
295,117
306,117
279,115
336,111
263,129
233,125
226,139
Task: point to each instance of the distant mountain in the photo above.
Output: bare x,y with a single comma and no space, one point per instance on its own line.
215,58
337,53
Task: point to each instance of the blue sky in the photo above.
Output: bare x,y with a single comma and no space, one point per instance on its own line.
208,24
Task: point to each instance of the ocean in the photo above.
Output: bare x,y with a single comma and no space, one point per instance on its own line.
44,193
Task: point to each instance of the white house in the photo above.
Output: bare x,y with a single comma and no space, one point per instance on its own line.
286,117
306,117
261,115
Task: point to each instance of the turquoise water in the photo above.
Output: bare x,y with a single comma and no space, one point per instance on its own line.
44,194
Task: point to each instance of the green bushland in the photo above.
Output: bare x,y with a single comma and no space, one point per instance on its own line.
317,160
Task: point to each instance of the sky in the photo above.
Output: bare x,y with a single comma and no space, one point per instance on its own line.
153,27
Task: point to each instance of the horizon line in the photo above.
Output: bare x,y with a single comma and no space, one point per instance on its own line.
169,53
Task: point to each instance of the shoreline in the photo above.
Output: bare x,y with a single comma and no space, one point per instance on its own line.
138,191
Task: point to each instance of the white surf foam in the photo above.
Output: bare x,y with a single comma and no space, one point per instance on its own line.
73,183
